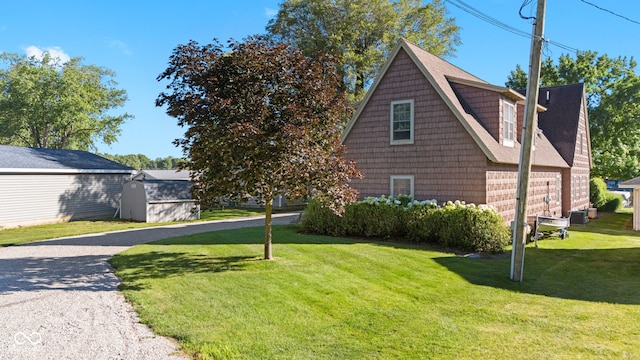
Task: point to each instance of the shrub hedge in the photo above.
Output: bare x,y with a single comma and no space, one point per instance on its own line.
456,225
613,202
597,192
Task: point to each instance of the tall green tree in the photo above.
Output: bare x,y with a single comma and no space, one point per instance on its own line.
48,104
613,99
143,162
261,120
363,32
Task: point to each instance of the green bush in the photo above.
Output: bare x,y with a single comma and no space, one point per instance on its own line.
318,219
455,225
613,202
597,192
471,228
420,222
380,220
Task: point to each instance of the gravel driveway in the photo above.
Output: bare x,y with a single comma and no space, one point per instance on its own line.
59,298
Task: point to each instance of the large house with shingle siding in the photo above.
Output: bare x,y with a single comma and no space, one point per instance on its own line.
40,186
432,130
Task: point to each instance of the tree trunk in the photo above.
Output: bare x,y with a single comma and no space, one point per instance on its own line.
267,229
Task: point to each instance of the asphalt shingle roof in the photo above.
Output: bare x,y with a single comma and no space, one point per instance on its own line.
50,160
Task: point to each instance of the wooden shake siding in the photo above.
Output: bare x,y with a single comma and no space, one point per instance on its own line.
502,188
486,106
578,175
519,121
29,199
444,160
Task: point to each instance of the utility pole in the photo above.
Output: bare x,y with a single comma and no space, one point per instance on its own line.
529,125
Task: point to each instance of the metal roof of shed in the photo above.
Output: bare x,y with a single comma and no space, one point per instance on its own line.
166,190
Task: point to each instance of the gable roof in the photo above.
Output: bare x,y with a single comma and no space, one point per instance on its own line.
560,122
441,74
16,159
166,190
631,183
162,175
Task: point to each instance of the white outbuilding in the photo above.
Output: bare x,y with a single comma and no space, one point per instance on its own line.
158,201
635,185
39,186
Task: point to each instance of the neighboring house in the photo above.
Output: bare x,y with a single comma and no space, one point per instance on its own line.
279,202
430,129
162,175
40,186
158,201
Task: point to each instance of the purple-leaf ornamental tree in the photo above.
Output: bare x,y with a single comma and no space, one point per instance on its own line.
261,120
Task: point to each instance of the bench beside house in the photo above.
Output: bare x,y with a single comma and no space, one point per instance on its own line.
432,130
39,186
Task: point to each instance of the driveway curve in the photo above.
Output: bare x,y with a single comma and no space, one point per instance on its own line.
59,298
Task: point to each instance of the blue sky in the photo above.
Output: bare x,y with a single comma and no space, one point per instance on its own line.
135,39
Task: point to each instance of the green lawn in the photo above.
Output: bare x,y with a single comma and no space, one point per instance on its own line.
333,298
27,234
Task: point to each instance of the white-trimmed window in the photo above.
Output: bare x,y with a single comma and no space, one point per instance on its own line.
401,126
509,123
401,185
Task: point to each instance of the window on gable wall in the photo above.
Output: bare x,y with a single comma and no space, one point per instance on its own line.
401,122
401,185
509,123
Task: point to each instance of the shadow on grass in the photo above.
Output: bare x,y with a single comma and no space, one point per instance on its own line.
599,275
608,224
609,275
157,264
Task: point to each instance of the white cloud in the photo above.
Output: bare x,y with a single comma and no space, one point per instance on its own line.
270,12
56,53
121,46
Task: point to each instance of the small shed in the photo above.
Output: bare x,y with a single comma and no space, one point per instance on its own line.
635,185
158,201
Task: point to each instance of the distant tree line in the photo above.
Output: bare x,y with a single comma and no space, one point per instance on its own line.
142,162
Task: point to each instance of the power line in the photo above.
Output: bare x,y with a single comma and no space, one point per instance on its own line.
610,12
484,17
525,3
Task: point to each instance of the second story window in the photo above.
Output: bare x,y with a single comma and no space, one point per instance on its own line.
401,122
509,124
